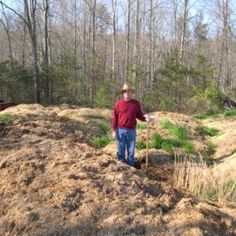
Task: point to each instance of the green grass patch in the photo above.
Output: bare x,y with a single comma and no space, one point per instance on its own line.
209,113
170,144
203,130
140,145
211,194
200,116
180,132
104,127
6,118
97,117
230,113
166,124
156,141
101,142
234,151
230,186
141,126
188,147
168,147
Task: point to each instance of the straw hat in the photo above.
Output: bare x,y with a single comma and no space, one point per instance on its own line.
126,88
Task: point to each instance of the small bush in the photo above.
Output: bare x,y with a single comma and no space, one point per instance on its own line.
101,142
230,113
141,126
6,118
140,145
203,130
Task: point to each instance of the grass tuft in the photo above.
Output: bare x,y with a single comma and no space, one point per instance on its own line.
141,126
140,145
6,118
230,113
209,186
156,141
203,130
101,142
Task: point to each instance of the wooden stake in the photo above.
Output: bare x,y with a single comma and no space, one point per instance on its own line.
147,145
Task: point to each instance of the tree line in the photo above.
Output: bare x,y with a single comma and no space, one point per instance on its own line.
179,54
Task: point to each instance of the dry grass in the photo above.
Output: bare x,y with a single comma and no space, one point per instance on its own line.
205,182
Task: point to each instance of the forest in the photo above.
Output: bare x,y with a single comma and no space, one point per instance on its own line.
180,55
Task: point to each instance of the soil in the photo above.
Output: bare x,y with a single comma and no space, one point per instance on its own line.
53,181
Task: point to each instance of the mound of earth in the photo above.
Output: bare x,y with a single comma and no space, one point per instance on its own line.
226,141
54,182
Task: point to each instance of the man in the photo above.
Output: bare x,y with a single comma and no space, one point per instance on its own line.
124,123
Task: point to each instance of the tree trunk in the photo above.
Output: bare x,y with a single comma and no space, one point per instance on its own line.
31,23
151,44
46,52
183,33
114,5
128,41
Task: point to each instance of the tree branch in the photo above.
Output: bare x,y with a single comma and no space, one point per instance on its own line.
11,9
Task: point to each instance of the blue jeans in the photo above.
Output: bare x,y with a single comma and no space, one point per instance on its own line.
125,140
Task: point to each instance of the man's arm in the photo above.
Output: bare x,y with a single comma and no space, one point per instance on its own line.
114,120
140,114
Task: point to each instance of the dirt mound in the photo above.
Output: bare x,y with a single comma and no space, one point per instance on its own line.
226,141
53,182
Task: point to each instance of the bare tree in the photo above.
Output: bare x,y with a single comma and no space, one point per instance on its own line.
114,9
48,91
184,29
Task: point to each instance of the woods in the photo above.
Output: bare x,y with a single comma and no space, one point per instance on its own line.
179,54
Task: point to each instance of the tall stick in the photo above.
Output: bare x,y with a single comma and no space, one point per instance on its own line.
147,145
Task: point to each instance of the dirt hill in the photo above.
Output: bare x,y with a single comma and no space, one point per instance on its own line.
54,181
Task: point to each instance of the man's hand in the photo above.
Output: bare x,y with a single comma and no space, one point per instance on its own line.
148,119
114,134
